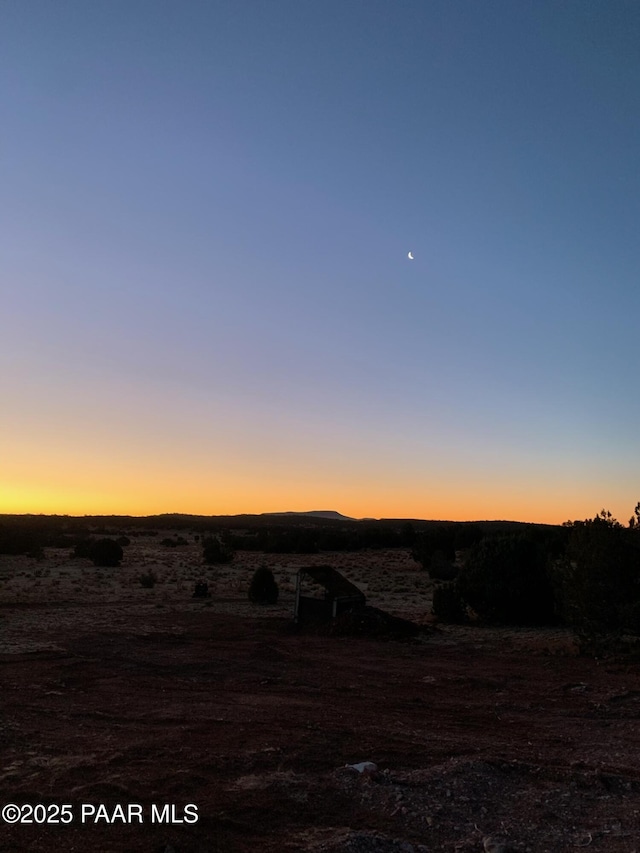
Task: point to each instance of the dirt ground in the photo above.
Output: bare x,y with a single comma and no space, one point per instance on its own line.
112,694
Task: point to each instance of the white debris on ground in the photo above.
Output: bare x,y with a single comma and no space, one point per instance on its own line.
363,767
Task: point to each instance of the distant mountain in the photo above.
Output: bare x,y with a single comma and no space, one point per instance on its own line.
317,513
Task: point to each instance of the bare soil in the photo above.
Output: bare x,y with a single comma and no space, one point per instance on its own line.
114,694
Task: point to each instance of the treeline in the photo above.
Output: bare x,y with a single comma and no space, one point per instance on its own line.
297,534
30,534
283,539
585,574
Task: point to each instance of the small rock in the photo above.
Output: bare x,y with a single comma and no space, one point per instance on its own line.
363,767
492,844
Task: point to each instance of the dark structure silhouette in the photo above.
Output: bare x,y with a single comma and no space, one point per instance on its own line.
339,594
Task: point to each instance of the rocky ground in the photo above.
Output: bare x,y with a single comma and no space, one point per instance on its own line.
114,695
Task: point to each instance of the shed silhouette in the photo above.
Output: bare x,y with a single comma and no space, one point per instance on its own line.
336,596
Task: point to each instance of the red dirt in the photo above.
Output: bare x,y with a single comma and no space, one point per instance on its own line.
474,732
114,694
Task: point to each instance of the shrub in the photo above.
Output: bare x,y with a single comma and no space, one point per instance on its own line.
437,543
83,548
214,552
263,588
505,579
201,590
448,605
441,567
598,580
106,552
148,579
174,543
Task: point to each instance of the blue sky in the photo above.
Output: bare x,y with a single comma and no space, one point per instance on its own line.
206,214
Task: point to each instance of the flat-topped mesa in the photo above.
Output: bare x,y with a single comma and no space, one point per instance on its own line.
316,513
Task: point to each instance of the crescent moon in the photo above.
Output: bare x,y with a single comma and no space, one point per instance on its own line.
410,256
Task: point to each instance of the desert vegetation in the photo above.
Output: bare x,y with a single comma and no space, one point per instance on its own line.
597,578
584,575
148,579
263,588
216,551
106,553
472,631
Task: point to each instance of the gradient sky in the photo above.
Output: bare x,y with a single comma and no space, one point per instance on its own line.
207,305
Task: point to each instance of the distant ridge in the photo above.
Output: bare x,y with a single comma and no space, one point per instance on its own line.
183,520
316,513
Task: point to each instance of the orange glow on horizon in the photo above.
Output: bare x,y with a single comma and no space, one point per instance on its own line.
140,502
148,473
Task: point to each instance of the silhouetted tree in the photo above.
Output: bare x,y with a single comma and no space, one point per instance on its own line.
505,579
448,605
214,552
263,588
106,552
435,550
598,579
83,548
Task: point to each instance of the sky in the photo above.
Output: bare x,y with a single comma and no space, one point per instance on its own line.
206,300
